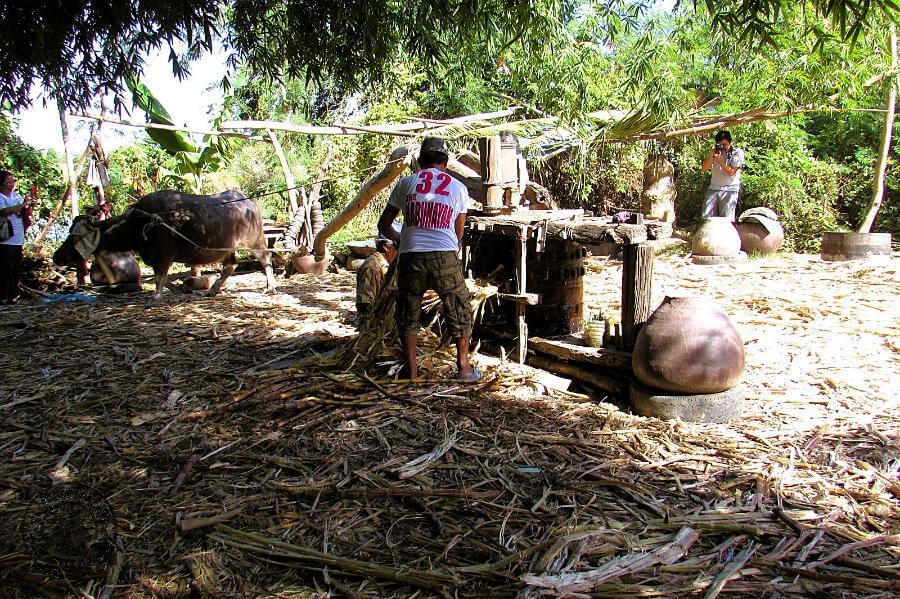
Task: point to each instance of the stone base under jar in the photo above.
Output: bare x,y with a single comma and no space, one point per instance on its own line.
711,260
706,407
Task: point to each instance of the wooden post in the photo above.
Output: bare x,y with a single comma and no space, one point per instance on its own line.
70,168
286,169
490,149
637,277
521,257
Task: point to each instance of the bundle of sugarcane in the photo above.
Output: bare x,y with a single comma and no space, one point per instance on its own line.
378,328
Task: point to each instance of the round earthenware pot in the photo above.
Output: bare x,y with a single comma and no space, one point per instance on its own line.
716,237
838,247
309,264
757,238
689,345
201,283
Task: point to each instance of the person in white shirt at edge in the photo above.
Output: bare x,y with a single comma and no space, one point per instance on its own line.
434,214
726,163
12,206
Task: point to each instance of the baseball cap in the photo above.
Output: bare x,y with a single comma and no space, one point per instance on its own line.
434,144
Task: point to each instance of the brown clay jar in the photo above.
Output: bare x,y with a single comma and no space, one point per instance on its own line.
755,238
689,345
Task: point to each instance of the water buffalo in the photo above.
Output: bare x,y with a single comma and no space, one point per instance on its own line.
169,226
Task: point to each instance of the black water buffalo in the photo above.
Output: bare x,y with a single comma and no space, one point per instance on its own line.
169,226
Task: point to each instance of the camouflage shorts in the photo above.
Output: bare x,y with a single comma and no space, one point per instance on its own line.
418,272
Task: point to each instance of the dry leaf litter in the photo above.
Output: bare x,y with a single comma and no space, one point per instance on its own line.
197,447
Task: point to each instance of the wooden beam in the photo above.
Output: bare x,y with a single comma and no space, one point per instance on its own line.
397,163
598,230
489,149
606,380
592,356
521,261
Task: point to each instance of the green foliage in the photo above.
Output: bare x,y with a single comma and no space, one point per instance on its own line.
85,46
133,173
851,141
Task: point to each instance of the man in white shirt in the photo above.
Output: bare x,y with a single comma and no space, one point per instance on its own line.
434,207
726,163
12,207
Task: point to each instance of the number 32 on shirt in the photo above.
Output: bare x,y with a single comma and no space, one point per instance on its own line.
426,180
435,214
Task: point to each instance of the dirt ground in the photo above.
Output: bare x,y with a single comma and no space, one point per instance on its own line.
127,424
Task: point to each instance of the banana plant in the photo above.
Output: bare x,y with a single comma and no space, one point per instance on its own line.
190,160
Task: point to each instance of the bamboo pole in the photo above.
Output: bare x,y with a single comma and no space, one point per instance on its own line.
413,129
70,169
881,165
127,123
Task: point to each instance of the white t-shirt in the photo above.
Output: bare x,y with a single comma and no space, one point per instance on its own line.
430,201
18,237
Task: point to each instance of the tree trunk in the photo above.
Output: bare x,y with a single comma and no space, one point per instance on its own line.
70,169
286,169
62,201
881,164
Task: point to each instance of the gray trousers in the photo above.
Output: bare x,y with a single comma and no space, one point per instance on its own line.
720,202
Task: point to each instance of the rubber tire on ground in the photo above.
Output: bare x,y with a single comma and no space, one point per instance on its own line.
837,247
711,260
707,407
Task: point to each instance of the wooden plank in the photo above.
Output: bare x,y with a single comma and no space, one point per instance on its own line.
598,356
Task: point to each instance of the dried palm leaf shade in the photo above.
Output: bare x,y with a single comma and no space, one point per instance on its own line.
236,465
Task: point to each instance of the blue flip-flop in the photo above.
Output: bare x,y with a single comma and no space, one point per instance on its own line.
474,376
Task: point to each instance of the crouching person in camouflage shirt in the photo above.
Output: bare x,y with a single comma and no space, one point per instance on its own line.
370,276
434,208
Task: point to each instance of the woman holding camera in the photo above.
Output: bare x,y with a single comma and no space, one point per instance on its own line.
726,163
12,237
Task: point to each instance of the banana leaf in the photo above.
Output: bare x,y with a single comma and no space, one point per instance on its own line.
171,141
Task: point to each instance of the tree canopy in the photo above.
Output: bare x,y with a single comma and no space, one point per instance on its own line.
76,49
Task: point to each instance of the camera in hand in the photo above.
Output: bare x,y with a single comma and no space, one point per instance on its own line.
720,148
